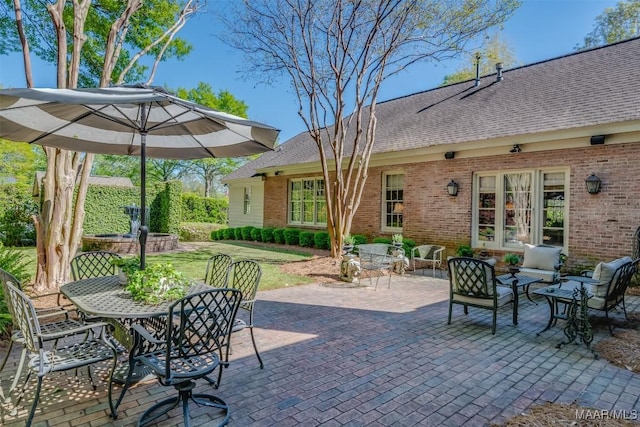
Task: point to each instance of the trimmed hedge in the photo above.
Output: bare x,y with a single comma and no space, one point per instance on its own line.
278,235
306,239
292,236
204,209
246,232
267,235
321,240
359,239
237,233
256,234
196,231
228,234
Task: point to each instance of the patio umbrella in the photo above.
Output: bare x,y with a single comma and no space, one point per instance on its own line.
128,120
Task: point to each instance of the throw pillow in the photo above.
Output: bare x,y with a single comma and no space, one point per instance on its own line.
541,257
605,273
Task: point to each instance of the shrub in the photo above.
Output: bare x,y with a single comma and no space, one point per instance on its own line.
306,239
292,236
204,209
246,232
278,235
267,235
256,234
228,234
386,240
237,233
12,261
16,225
321,240
196,231
359,239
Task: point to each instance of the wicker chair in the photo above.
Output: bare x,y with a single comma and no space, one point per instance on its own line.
472,282
43,362
429,254
217,270
186,347
93,264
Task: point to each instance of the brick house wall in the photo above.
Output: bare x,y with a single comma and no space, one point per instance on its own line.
601,226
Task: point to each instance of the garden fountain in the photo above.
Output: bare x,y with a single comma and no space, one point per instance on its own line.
128,243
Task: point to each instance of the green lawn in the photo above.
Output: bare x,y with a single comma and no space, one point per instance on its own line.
194,263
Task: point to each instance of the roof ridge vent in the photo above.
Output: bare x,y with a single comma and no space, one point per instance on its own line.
499,72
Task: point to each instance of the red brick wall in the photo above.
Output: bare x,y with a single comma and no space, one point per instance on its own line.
601,226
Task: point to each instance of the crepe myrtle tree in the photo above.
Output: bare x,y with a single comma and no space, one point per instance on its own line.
336,55
91,46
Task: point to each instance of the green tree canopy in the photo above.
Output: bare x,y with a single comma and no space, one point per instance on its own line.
494,50
614,24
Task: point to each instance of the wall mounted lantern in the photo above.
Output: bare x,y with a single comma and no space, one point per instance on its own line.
452,188
593,184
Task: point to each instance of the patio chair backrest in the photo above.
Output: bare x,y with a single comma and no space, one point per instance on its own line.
472,277
620,280
245,276
24,317
199,324
217,270
93,264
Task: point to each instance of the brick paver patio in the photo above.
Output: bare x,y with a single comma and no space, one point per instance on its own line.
336,355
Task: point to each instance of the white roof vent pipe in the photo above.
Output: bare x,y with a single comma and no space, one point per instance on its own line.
499,72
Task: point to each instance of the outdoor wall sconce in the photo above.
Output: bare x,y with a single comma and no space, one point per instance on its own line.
449,155
277,173
516,149
452,188
593,184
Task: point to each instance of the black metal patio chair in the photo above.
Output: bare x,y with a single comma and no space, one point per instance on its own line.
217,270
184,348
45,361
55,321
472,282
93,264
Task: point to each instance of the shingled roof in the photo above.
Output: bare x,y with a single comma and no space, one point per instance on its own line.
587,88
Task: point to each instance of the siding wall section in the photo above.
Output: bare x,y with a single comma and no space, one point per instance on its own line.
236,215
601,226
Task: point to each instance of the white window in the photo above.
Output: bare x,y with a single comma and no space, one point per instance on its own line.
393,202
512,208
247,200
307,204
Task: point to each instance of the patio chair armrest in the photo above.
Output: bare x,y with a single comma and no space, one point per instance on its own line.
88,327
139,332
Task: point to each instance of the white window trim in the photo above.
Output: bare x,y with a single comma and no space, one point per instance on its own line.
383,202
315,214
537,205
246,202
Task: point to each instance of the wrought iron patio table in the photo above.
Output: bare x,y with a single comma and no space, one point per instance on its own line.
105,298
521,281
554,296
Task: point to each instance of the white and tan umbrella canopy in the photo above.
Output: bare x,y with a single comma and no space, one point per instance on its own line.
128,120
119,120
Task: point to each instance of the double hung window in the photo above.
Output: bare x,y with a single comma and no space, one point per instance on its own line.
307,204
393,202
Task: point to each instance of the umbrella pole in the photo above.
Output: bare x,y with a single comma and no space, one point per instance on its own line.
144,229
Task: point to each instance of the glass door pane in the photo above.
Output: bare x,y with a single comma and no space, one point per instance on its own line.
517,209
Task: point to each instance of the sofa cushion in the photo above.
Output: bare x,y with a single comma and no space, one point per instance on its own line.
547,276
541,257
505,295
604,271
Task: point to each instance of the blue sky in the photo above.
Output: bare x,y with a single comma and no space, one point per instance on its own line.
539,30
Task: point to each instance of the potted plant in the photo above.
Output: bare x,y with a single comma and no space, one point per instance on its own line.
347,243
464,251
512,260
397,240
126,267
158,283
